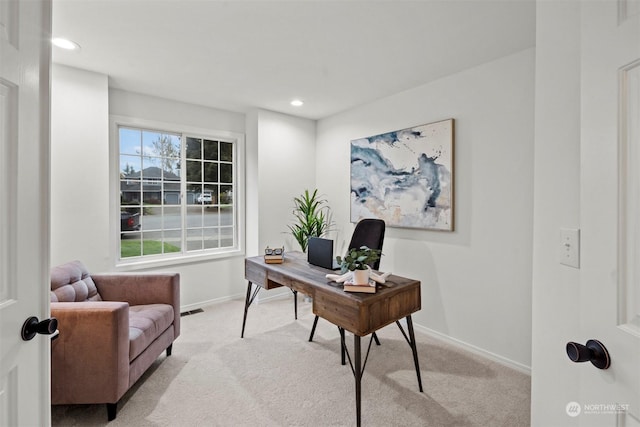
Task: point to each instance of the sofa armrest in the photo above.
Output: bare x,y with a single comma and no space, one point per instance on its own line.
142,289
90,357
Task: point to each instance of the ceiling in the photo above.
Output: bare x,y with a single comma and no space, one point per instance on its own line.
334,55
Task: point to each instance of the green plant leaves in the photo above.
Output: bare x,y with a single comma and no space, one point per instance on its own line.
312,218
359,259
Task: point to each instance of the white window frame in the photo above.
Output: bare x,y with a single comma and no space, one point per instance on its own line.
148,261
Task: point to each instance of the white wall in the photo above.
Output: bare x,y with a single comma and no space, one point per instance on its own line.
280,166
476,281
286,153
556,290
252,168
79,172
81,104
140,106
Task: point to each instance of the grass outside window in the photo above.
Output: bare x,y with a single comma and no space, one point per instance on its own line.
149,247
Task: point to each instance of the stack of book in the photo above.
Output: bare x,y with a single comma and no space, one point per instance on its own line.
369,288
274,256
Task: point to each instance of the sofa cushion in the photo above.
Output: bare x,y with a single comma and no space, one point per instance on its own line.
146,323
71,282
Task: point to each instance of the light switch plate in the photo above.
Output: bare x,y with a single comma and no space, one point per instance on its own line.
570,247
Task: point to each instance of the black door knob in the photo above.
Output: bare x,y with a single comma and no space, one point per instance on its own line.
594,351
32,326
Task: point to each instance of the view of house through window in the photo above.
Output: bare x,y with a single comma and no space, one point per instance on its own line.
176,193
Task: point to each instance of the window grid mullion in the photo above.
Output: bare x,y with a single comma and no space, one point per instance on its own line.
202,175
183,194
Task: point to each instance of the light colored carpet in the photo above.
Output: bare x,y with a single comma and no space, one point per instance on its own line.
275,377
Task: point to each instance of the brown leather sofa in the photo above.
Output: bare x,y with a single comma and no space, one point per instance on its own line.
112,328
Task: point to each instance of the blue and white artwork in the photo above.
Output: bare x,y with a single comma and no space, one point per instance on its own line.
405,177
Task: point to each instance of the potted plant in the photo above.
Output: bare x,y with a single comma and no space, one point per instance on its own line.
357,260
312,218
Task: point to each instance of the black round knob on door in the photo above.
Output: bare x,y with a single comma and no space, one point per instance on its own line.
32,326
594,351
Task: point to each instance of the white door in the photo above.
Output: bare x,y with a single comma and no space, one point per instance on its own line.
25,28
610,211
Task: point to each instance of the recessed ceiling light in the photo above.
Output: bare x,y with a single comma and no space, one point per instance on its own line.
297,103
65,43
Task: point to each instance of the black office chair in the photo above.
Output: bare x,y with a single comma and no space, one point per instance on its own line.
368,232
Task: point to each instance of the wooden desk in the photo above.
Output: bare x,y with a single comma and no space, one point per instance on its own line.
358,313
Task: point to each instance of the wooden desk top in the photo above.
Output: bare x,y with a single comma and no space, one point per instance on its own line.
358,313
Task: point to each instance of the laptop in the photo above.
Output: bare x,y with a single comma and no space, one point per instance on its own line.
320,253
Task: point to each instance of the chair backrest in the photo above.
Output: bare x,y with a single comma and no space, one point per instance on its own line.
369,232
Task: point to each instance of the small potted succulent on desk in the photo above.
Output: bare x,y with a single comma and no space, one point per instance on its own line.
357,260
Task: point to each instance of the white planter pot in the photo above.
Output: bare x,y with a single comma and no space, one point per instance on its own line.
361,277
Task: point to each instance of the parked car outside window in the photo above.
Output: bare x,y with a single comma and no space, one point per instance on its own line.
204,198
129,221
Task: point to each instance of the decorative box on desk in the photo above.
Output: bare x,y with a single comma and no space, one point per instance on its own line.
274,256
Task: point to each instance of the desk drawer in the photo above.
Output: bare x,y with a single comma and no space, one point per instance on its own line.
367,314
255,273
341,310
258,275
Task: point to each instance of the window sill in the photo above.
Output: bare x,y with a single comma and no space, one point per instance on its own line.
146,263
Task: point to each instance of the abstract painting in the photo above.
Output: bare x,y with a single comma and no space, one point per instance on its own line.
405,177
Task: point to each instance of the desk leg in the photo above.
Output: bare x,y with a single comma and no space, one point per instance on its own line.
247,302
295,303
342,347
313,328
414,350
358,375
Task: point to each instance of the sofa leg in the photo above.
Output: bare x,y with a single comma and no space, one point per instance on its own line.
112,408
169,350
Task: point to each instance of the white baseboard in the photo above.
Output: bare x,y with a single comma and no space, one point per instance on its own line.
201,304
262,297
473,349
